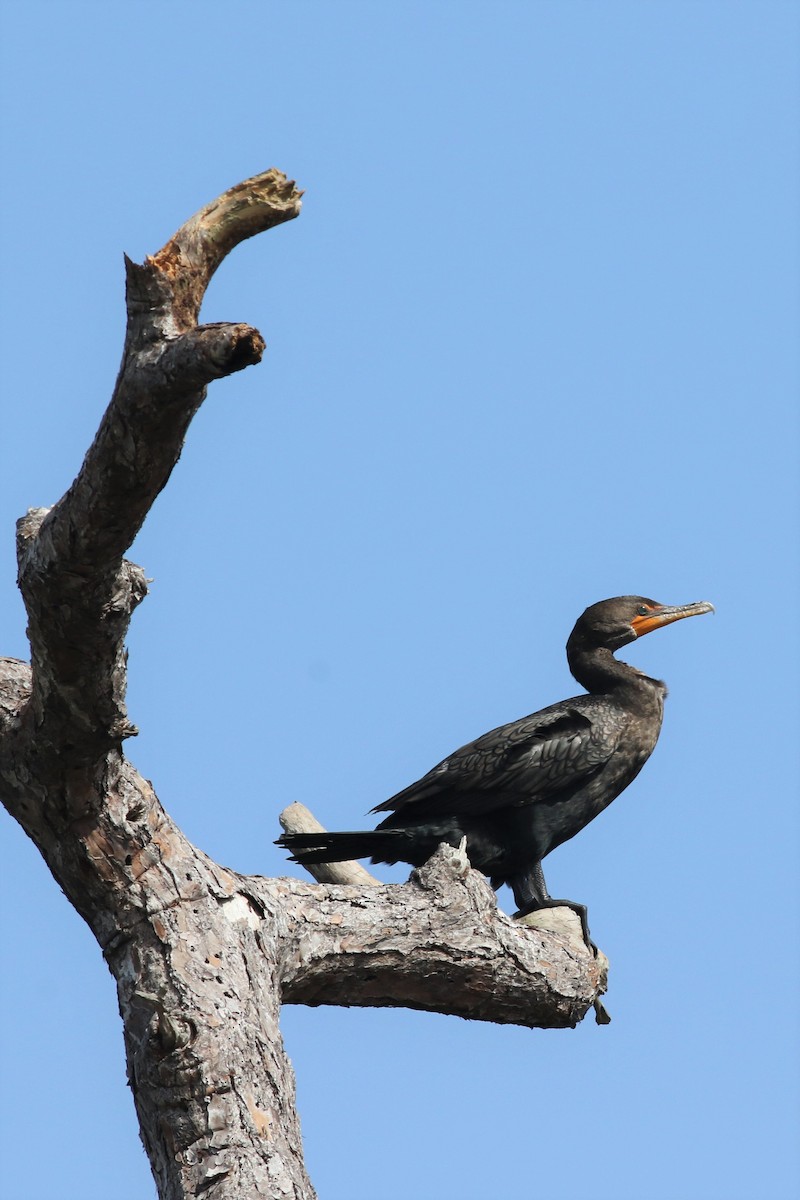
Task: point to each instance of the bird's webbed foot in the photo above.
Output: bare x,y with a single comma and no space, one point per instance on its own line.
580,911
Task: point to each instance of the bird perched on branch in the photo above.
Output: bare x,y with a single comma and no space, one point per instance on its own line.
520,790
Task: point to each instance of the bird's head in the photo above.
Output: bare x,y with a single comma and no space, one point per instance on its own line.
616,622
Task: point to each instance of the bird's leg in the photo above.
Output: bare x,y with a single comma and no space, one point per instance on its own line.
531,894
530,890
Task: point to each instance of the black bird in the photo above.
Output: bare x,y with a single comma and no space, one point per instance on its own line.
520,790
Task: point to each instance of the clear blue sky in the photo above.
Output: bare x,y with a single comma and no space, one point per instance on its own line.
533,342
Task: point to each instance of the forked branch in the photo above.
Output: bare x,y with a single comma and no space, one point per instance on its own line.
70,557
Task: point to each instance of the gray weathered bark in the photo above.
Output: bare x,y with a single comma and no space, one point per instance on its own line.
204,957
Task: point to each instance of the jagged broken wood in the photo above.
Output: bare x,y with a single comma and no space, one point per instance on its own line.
204,957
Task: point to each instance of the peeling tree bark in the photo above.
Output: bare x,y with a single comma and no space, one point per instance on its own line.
204,957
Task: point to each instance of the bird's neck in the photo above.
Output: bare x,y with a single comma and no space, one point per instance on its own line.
600,673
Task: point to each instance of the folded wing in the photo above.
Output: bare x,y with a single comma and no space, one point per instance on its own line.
529,761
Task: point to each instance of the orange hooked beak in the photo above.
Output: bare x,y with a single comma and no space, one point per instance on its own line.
657,615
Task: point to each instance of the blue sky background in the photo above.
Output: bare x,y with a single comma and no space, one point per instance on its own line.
532,342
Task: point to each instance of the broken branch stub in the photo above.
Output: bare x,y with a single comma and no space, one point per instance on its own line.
192,255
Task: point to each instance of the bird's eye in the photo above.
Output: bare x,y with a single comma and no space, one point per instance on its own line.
642,610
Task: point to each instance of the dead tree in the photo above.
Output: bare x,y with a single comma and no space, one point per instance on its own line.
204,957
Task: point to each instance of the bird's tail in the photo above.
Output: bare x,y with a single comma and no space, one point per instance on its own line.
381,845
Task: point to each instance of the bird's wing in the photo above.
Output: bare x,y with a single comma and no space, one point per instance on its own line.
531,760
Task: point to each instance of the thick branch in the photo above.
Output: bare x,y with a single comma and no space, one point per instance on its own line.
488,971
437,943
78,592
450,952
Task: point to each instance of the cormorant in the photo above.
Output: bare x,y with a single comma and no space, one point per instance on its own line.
520,790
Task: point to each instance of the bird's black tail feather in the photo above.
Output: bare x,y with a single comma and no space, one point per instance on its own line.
381,845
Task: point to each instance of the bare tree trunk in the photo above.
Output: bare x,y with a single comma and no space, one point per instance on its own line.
204,957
